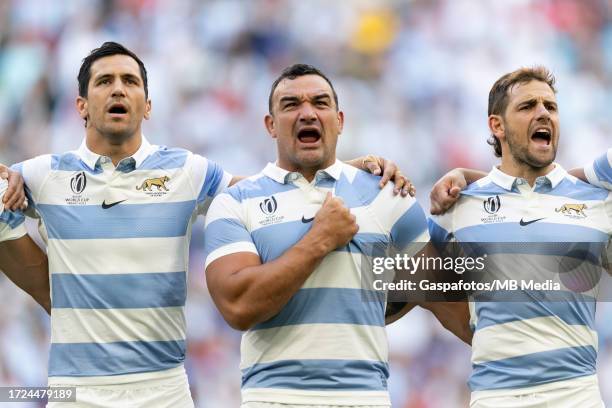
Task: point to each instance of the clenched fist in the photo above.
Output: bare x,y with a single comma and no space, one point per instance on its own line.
334,224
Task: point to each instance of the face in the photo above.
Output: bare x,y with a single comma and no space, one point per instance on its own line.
115,104
306,123
529,128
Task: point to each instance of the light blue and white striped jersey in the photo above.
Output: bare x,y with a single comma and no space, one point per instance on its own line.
327,345
599,172
118,242
519,344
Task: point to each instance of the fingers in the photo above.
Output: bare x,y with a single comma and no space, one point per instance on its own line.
328,198
390,170
371,163
409,188
14,197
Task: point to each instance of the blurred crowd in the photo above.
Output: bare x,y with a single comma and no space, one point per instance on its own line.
412,77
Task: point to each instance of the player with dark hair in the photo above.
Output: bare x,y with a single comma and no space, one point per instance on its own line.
118,213
283,256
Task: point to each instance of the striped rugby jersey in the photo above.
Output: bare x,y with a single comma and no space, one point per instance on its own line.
599,172
519,344
118,249
327,345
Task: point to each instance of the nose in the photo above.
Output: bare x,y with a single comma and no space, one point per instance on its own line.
118,89
542,112
307,113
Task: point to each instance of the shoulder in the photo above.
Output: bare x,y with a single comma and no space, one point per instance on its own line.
164,158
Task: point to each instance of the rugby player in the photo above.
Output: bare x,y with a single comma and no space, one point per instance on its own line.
118,213
283,255
542,353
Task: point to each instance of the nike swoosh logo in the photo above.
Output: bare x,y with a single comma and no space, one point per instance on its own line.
306,220
107,206
524,223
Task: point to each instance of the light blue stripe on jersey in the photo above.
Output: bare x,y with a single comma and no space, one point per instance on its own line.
362,191
273,240
94,359
413,220
318,375
12,218
214,176
330,305
119,291
603,168
165,159
489,189
493,312
222,232
121,221
259,187
534,369
514,232
71,162
578,191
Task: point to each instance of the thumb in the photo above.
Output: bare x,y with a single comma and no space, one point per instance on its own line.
454,191
328,198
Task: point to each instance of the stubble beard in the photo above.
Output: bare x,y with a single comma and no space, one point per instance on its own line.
522,155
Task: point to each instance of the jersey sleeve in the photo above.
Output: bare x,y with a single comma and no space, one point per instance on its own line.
599,172
34,172
403,218
209,179
225,231
11,223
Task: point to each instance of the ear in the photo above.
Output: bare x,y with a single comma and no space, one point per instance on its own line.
340,118
147,110
496,126
81,105
269,122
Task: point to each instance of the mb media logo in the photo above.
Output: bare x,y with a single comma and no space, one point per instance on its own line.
268,206
492,204
78,182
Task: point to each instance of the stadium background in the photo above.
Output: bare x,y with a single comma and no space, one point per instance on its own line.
412,77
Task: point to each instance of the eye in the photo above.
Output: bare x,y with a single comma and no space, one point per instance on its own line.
551,107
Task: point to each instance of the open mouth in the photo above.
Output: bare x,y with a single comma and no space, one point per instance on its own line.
309,135
117,109
542,136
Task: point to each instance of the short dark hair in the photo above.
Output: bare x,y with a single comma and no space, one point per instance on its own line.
498,95
105,50
298,70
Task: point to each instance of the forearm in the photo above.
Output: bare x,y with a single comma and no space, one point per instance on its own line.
26,265
454,316
579,173
255,293
472,175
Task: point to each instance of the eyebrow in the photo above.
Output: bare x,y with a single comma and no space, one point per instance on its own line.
127,75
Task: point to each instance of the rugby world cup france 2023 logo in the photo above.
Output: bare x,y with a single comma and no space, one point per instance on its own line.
78,182
268,207
492,205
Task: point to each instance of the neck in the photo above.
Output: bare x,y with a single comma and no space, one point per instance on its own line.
306,171
116,150
523,170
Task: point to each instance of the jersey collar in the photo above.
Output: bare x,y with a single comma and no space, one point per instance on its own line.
283,176
91,159
508,182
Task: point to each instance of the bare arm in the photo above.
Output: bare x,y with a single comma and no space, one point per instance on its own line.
579,173
454,316
26,265
248,292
